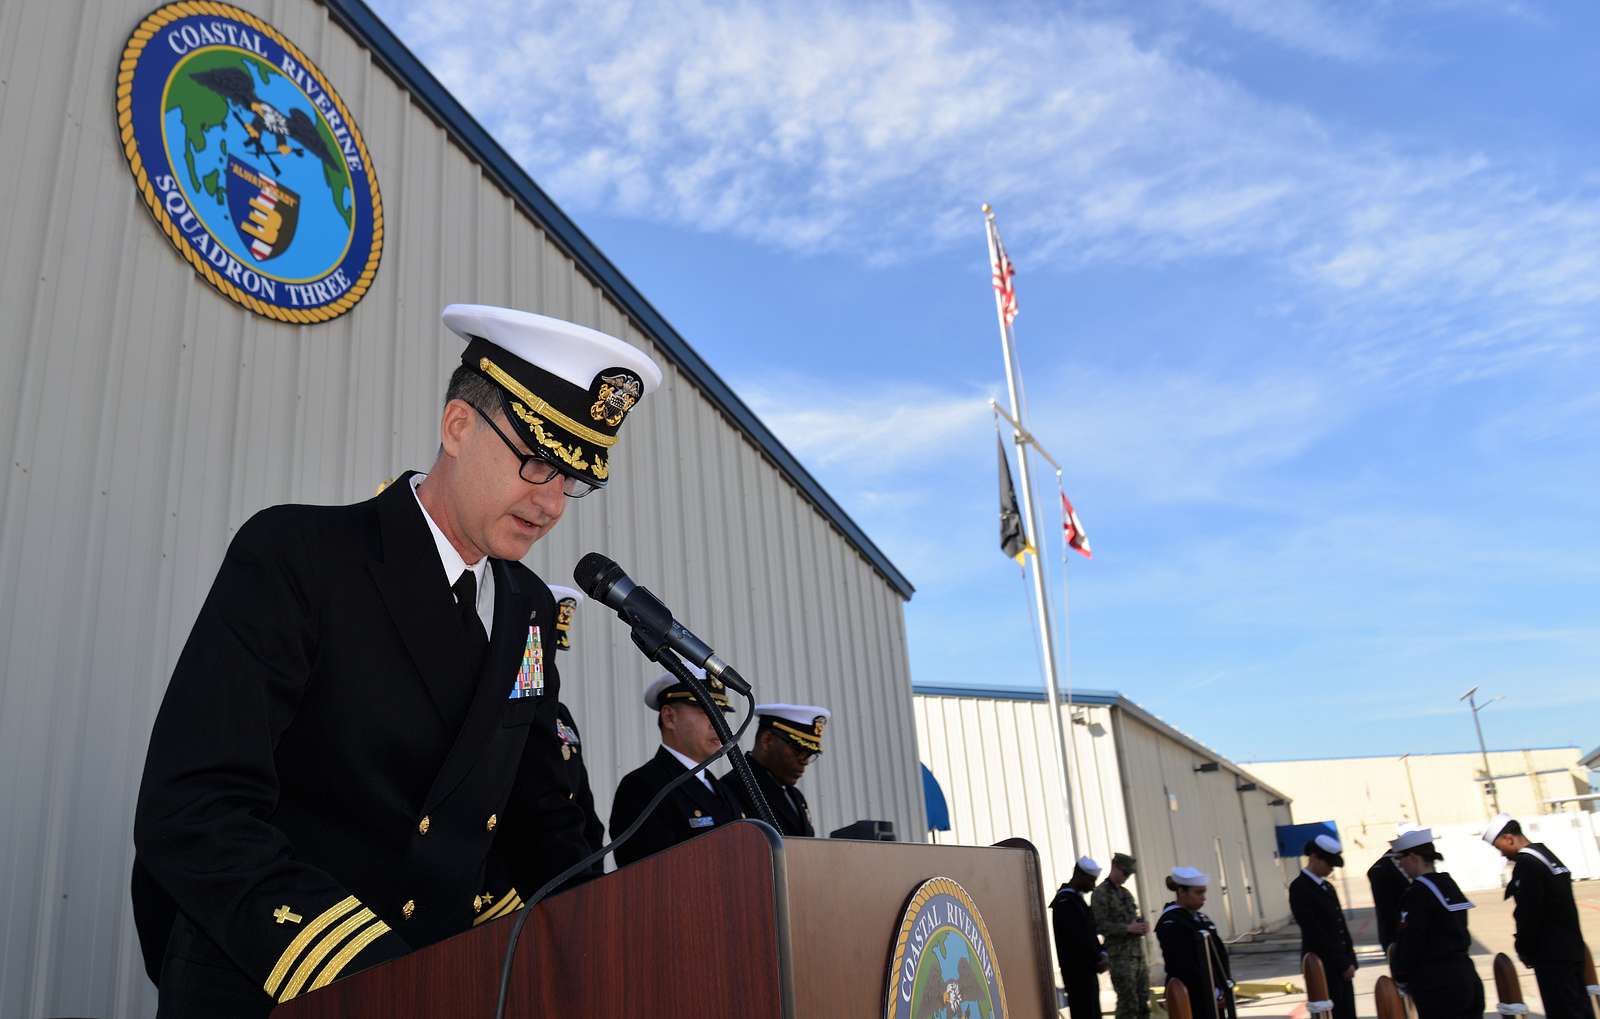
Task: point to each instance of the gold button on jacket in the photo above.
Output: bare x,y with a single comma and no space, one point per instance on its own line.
409,908
422,825
488,825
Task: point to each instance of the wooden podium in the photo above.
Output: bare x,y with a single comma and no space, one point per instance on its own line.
735,924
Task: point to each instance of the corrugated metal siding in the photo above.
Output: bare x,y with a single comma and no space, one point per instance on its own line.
143,418
995,759
1210,812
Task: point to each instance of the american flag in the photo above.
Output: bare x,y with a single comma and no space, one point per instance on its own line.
1004,276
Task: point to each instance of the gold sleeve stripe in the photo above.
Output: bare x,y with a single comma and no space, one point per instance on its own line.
304,938
314,958
336,965
507,905
540,406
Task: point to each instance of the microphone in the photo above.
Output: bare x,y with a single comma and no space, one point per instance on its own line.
607,583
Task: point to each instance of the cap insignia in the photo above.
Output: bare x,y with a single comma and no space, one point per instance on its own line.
617,394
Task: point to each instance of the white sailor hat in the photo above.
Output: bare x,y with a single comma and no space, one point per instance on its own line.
668,689
800,724
1411,839
1327,847
1496,827
1188,877
565,387
1088,866
1399,830
567,601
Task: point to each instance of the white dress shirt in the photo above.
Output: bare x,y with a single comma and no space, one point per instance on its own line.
687,762
453,564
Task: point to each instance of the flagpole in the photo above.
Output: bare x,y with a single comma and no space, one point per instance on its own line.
1031,530
1066,645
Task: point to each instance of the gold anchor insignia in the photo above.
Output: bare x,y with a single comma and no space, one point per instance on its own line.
617,395
283,914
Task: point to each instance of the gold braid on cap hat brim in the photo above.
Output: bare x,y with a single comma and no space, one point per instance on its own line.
540,406
720,699
805,737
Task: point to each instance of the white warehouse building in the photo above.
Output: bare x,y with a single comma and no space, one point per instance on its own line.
1139,786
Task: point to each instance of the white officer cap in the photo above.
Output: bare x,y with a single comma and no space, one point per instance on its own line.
1412,839
1088,866
666,689
563,592
567,601
800,724
1496,827
1189,877
565,387
1328,844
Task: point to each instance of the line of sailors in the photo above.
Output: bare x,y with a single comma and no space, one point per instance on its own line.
1422,927
788,738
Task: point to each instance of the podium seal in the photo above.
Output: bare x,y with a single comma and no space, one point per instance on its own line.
943,964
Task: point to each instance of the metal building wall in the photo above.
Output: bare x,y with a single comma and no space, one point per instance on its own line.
1367,797
995,759
143,418
1181,817
993,754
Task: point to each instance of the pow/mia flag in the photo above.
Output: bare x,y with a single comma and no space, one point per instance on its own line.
1012,543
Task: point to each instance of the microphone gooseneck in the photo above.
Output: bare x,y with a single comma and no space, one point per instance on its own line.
649,618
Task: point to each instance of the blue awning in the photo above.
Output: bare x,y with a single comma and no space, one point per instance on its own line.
933,797
1292,838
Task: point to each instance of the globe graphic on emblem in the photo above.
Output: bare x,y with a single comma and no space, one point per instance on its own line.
258,164
949,983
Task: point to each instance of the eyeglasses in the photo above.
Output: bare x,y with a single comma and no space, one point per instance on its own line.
535,469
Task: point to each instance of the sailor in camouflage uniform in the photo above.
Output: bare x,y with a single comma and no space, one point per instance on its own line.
1117,919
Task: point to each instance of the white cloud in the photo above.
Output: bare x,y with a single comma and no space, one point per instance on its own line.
1307,25
877,129
860,432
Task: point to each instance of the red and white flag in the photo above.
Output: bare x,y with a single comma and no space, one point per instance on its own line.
1072,528
1004,275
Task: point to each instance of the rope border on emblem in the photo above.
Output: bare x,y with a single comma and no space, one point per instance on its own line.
130,58
925,891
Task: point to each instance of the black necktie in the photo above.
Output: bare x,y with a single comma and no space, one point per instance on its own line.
466,592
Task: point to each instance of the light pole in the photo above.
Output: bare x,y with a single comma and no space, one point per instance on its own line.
1488,776
1416,812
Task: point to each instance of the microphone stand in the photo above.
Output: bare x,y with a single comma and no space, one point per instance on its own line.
657,651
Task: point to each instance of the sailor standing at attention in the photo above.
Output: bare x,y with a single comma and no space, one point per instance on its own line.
1430,960
1323,932
1548,938
687,739
1192,949
788,739
1079,953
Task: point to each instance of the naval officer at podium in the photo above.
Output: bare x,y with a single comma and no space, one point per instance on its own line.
342,770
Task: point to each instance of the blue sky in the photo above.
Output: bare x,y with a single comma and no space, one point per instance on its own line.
1310,300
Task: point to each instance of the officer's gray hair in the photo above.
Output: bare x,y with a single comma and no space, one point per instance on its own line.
473,389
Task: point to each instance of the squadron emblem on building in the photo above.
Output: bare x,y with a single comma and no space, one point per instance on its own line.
249,161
